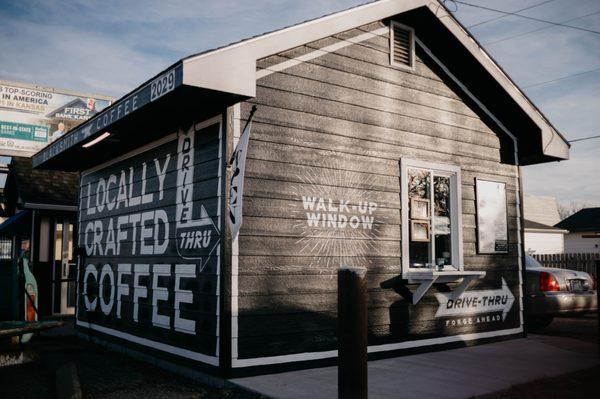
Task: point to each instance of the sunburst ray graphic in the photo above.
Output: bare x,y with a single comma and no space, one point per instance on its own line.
325,245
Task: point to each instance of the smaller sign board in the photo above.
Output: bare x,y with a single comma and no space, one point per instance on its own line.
29,115
492,217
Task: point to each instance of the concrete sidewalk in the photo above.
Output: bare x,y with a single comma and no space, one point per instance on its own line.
457,373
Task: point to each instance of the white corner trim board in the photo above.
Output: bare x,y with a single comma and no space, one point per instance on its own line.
299,357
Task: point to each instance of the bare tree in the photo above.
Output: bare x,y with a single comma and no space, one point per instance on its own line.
566,209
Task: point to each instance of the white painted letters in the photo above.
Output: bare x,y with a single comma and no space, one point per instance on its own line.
122,289
106,306
139,291
159,294
90,306
183,296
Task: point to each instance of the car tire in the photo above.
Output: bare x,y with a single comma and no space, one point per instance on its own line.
540,323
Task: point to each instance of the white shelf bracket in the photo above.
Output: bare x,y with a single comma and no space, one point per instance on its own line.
460,288
428,278
422,289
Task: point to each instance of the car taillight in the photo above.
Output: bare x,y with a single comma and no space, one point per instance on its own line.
548,282
594,282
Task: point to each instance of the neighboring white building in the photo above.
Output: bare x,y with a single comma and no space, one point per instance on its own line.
541,214
544,239
584,231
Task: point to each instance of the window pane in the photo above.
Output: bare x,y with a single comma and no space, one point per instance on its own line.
419,188
58,242
418,183
70,242
442,222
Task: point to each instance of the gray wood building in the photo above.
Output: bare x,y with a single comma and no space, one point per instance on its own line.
384,137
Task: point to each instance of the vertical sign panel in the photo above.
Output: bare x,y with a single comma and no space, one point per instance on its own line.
492,219
150,228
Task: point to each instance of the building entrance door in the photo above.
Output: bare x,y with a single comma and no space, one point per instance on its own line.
63,275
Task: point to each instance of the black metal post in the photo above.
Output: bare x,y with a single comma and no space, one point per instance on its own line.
352,333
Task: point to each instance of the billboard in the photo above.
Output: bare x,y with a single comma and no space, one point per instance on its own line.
30,117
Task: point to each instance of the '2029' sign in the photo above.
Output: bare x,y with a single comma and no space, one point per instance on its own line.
150,227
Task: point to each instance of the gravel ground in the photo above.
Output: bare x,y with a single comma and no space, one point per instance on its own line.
102,374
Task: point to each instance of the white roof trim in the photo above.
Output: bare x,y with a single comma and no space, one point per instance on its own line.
547,231
50,207
232,69
552,143
215,69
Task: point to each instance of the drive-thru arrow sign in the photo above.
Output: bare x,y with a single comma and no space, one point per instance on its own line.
476,302
196,238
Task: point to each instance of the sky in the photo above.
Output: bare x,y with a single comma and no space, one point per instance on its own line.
110,47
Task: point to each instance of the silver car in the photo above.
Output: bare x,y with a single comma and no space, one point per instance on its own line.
551,292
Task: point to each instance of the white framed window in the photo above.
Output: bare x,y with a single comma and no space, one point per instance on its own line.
402,45
431,217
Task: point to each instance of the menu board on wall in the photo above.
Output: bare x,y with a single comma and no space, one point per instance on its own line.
30,116
492,219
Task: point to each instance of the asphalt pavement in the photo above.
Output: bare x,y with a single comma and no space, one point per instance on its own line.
582,328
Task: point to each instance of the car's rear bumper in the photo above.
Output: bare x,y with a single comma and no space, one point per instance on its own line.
558,303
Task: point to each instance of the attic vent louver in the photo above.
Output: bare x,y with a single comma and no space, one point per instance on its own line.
402,43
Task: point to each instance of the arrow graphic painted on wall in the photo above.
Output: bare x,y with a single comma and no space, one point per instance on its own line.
196,238
476,302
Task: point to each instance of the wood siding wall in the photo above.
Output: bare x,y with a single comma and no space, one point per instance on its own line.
336,127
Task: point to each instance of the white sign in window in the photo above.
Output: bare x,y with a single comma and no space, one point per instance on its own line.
492,220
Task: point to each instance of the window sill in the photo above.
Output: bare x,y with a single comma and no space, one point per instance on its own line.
416,276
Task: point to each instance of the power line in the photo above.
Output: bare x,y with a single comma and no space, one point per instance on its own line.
504,16
526,17
562,78
538,29
584,138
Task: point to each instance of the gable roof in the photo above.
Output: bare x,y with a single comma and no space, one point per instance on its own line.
535,226
585,220
230,72
540,209
36,187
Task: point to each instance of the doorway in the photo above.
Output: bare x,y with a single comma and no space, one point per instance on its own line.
64,269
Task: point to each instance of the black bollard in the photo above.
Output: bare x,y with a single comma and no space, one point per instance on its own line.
352,333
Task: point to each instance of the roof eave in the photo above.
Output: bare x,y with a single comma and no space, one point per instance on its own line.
215,69
552,230
233,68
554,145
